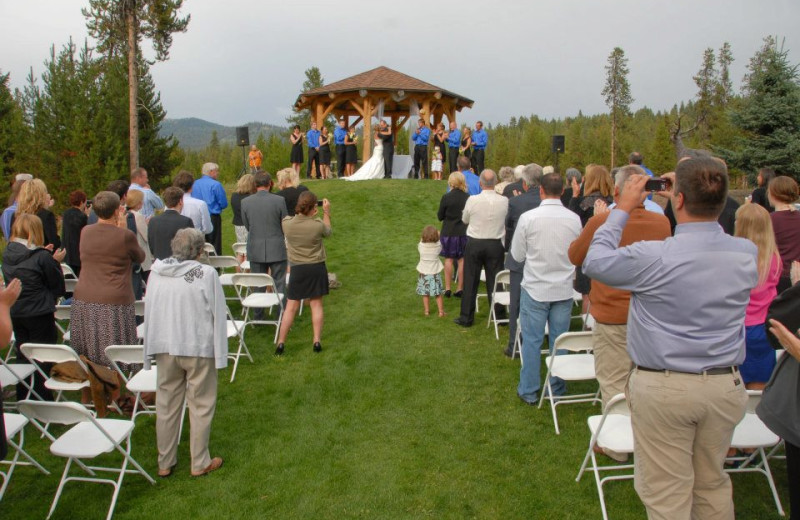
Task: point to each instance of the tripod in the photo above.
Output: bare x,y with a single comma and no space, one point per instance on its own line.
244,161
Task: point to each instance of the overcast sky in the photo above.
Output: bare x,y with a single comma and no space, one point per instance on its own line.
245,60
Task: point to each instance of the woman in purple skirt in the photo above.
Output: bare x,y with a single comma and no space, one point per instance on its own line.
454,232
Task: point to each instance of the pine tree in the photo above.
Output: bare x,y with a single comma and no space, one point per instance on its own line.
120,26
706,81
13,132
724,86
302,118
617,93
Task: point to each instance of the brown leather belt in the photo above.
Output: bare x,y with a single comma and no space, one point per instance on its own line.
717,371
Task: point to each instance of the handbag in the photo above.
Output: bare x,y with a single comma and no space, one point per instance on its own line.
785,308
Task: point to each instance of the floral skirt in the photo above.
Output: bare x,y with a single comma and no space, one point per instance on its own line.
241,234
94,326
430,285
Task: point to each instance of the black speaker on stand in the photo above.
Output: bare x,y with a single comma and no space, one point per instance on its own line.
243,140
556,148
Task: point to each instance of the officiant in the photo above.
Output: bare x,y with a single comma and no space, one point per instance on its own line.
421,137
385,134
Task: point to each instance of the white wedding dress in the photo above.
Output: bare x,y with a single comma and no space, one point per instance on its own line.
373,168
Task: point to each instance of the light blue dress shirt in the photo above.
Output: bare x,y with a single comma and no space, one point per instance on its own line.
688,293
211,192
151,201
479,139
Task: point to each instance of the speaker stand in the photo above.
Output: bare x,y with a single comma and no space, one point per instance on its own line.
244,161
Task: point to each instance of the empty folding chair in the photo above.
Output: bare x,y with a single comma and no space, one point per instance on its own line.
68,272
752,434
578,366
137,383
240,248
15,427
500,296
478,294
220,263
63,315
236,329
209,249
610,431
20,373
87,439
54,354
245,284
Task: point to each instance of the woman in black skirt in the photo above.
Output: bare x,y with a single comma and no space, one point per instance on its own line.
350,153
296,157
325,153
309,276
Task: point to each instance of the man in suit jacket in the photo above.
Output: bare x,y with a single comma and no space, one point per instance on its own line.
531,177
262,214
162,228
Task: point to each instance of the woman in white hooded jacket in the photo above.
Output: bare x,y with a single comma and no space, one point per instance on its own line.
185,330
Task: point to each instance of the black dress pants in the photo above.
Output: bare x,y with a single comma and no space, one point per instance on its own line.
420,158
453,159
793,469
313,156
486,254
341,157
388,157
477,160
35,329
215,237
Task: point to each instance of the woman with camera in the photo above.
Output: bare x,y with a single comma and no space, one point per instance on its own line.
309,275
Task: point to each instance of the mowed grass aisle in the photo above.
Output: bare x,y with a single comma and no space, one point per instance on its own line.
400,416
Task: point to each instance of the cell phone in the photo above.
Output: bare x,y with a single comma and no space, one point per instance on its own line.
319,203
656,185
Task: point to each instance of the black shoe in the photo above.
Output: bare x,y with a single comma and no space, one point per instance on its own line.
279,350
458,294
447,293
529,403
462,322
317,347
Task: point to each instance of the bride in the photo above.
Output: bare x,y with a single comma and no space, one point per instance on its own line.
373,168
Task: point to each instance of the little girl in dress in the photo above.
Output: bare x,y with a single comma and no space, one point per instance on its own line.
436,164
429,282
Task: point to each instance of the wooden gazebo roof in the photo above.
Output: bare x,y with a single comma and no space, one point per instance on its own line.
360,95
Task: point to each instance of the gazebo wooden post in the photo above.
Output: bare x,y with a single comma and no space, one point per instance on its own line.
366,146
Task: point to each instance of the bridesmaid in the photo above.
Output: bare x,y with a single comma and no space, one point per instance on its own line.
440,140
296,157
351,154
325,153
466,142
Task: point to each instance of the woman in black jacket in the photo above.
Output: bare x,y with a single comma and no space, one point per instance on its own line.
73,220
39,271
454,232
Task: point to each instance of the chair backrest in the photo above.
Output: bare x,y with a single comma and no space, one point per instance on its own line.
61,412
50,353
138,307
575,341
753,398
70,284
63,312
252,280
503,277
209,249
239,248
67,271
131,354
617,406
222,262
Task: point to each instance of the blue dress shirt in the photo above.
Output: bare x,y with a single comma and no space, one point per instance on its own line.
454,141
688,293
479,139
212,193
473,182
338,135
312,137
422,138
151,201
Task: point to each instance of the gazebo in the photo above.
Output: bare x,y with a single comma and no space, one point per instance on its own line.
360,96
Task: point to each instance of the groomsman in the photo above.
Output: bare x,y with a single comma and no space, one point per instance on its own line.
338,141
312,138
388,148
479,140
453,144
421,137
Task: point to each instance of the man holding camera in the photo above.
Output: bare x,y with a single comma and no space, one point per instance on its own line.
685,338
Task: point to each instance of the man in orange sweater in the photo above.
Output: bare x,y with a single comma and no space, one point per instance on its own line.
609,306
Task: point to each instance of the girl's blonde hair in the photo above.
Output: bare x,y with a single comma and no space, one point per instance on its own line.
430,235
28,227
33,196
246,184
285,178
597,178
457,181
754,223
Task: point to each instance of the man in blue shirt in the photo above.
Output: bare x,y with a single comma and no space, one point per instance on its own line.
338,141
421,137
312,138
473,181
686,338
479,140
208,189
151,202
453,144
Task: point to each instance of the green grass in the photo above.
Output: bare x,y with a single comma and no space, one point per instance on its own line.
401,416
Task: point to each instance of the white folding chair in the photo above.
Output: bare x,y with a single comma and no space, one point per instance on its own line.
478,293
63,314
244,284
89,438
68,272
220,263
138,308
240,248
569,367
752,434
54,354
22,373
500,296
139,382
70,284
611,431
15,427
209,249
236,329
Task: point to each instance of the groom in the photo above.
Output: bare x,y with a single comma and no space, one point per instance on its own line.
388,148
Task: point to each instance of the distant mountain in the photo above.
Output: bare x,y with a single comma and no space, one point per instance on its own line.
193,133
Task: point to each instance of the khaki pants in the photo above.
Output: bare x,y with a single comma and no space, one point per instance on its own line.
196,380
612,364
682,428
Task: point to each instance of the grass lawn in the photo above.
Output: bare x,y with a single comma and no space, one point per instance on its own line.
400,416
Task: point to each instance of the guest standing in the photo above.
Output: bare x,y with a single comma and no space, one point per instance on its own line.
421,137
134,202
312,138
309,280
339,134
162,228
208,189
479,141
195,209
73,220
453,143
35,200
245,187
325,152
296,157
254,158
454,232
466,145
289,188
388,148
8,213
759,195
782,193
140,182
102,307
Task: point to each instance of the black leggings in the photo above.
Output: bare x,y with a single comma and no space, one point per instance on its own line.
35,329
793,471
